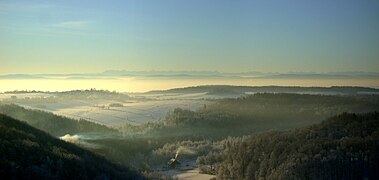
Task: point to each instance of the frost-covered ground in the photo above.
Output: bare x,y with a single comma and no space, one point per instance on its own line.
131,108
143,108
193,175
132,112
187,171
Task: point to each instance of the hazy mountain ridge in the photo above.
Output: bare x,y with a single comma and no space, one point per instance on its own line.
263,89
114,74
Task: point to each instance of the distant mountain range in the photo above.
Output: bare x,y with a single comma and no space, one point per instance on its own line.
114,74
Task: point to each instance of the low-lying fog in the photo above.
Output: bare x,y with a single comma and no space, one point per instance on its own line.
118,109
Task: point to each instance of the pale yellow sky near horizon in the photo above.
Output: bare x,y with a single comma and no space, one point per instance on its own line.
143,85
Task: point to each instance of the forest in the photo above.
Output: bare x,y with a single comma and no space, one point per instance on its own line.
29,153
256,113
345,146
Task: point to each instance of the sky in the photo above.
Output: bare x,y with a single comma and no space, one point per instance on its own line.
230,36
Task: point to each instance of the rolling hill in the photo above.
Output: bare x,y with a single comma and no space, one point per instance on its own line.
27,153
226,89
51,123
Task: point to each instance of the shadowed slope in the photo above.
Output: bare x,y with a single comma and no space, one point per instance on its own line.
27,153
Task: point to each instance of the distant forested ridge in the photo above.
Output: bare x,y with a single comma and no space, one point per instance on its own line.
51,97
92,94
28,153
345,146
227,89
51,123
266,111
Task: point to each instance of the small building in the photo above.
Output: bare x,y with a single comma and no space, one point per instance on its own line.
173,163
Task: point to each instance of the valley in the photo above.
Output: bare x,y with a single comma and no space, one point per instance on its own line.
143,131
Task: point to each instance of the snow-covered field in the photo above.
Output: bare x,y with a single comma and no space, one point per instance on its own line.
190,174
132,108
143,108
189,171
193,175
131,112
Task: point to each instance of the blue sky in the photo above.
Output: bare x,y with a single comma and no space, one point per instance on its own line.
230,36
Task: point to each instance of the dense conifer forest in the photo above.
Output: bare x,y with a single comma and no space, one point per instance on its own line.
342,147
28,153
